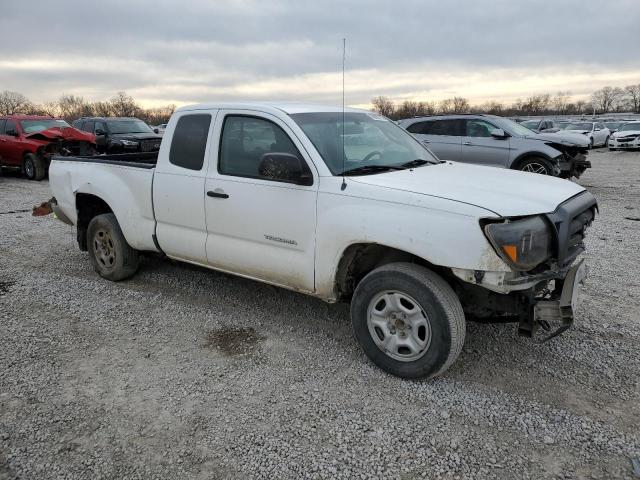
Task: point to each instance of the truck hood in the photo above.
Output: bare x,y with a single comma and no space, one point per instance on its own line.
57,133
507,193
569,138
136,136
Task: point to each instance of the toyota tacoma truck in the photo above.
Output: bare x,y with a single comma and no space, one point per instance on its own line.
344,206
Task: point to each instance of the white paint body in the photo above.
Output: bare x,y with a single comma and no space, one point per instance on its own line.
432,212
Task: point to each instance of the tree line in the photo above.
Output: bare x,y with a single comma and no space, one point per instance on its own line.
605,100
71,107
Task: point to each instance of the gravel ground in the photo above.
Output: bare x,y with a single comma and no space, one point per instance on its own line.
182,372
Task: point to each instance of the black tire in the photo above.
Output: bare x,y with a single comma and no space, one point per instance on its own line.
538,165
438,304
591,144
33,167
110,254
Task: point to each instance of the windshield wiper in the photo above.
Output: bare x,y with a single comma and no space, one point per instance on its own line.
365,169
415,163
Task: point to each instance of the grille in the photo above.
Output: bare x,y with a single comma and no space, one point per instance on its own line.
627,139
150,145
571,220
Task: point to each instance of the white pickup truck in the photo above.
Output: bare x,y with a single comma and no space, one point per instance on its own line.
345,206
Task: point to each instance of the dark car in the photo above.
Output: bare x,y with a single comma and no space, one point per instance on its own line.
120,134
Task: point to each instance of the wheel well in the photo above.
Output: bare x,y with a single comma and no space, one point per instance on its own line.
88,206
361,258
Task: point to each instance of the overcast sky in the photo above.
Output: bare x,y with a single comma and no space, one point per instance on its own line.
186,51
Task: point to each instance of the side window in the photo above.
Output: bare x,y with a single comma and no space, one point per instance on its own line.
247,141
189,141
445,127
10,125
88,126
479,128
420,128
100,126
600,125
2,122
77,124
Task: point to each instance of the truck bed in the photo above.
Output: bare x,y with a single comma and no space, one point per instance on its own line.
137,160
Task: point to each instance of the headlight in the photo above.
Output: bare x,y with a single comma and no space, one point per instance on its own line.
129,143
523,244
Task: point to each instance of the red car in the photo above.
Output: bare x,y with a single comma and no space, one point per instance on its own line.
29,141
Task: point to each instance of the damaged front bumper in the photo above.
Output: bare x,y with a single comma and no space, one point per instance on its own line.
544,300
573,166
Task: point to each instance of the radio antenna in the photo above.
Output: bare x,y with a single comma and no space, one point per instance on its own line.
344,55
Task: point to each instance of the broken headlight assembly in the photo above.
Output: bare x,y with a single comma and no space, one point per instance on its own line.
523,244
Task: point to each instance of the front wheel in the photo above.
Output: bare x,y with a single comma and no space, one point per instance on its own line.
408,320
110,254
536,165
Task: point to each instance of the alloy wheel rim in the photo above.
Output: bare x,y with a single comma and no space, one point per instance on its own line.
28,168
535,168
104,249
399,326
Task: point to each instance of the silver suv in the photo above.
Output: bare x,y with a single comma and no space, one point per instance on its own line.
500,142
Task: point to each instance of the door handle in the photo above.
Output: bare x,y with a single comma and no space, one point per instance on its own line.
217,194
467,143
425,141
3,139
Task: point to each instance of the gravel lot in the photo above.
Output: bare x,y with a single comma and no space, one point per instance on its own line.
182,372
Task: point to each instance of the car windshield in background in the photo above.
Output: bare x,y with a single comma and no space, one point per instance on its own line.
612,125
370,140
579,126
629,126
530,124
34,126
129,126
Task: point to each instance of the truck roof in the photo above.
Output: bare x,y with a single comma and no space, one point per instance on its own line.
286,107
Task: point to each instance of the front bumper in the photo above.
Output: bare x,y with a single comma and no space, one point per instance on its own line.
573,166
630,145
558,306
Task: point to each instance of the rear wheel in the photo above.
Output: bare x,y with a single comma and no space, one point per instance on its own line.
33,167
110,254
536,165
408,320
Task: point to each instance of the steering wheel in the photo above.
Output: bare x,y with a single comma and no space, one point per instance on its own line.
371,155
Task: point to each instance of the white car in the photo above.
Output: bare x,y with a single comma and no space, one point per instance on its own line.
596,132
627,137
344,206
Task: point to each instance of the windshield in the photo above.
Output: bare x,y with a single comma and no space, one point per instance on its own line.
612,125
128,126
513,128
369,140
530,124
629,126
33,126
579,126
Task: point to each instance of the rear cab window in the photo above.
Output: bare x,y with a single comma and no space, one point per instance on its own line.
189,141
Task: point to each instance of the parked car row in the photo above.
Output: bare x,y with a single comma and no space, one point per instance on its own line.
28,142
500,142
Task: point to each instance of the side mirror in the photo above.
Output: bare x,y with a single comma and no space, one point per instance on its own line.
155,130
498,133
12,133
99,131
284,167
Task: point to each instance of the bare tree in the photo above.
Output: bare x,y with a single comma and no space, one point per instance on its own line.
560,102
123,105
461,105
13,102
634,94
605,98
492,107
446,105
384,106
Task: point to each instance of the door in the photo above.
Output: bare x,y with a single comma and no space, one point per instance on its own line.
10,149
442,137
178,187
600,134
100,131
479,147
258,225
